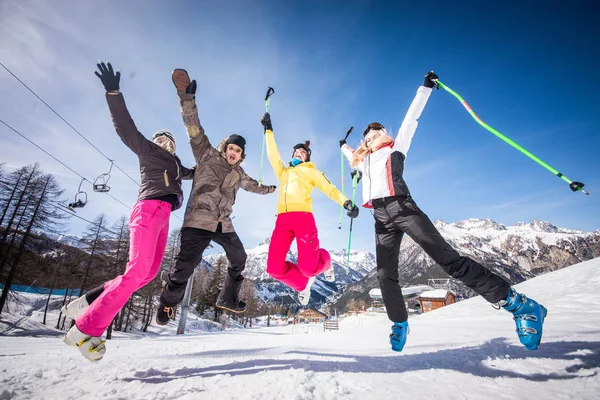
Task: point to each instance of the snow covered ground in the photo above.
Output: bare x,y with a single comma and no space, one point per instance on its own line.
464,351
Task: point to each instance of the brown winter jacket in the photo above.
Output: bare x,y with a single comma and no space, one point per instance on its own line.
161,171
215,181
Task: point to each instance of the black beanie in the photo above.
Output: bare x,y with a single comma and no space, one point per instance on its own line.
238,141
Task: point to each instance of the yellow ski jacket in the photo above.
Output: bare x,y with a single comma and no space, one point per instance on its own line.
297,183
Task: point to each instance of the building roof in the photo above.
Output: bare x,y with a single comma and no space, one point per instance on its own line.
301,312
406,291
436,294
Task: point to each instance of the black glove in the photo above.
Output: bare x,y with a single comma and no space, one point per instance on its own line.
355,172
342,142
109,79
266,122
431,80
352,209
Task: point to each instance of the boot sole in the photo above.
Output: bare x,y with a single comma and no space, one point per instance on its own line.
233,311
181,79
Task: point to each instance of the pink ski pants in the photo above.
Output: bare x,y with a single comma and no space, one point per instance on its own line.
312,260
149,229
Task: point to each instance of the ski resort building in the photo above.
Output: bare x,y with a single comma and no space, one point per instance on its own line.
433,299
310,315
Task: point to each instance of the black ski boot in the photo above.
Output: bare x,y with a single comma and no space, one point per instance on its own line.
164,313
232,305
229,297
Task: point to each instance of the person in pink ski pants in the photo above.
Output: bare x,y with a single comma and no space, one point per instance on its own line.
295,219
160,193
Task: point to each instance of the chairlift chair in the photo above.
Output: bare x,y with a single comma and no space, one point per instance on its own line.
80,199
101,182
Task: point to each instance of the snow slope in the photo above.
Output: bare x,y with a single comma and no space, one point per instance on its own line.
464,351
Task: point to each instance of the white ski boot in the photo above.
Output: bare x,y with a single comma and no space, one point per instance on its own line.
75,308
304,296
329,275
91,347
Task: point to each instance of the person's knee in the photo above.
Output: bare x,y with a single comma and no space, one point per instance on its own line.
275,268
386,276
238,261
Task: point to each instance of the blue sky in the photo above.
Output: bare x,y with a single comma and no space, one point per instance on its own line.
529,69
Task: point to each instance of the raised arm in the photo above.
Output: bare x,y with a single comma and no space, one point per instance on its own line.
186,91
410,122
349,153
122,121
272,151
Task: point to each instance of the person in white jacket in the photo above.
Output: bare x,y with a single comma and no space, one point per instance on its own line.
381,159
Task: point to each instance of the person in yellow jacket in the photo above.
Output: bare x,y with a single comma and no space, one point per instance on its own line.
295,218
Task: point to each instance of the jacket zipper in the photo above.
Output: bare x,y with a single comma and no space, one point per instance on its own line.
166,178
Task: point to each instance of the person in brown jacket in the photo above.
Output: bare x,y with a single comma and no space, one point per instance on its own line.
217,179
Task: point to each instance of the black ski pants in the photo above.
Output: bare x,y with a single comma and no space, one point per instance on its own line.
193,243
395,216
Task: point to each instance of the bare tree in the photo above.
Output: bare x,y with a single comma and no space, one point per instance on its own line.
22,182
97,237
215,285
120,247
44,217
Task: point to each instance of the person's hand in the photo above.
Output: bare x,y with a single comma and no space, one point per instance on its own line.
351,208
272,188
431,80
107,76
182,83
356,173
266,122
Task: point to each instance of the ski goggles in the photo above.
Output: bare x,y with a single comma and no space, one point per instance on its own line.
374,126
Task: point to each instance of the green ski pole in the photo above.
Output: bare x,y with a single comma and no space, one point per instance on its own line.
356,175
270,92
342,167
575,186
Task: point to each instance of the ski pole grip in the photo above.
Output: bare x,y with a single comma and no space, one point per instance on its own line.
348,133
270,92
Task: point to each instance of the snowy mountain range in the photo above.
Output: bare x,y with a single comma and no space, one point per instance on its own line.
516,252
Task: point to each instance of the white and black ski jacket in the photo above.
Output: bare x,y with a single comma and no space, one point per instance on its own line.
383,169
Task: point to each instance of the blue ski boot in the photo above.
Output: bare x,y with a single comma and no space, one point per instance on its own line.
529,317
398,335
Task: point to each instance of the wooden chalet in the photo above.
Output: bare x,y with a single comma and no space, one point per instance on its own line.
308,315
433,299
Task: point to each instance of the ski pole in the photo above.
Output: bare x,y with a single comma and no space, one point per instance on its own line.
270,92
356,175
575,186
342,154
